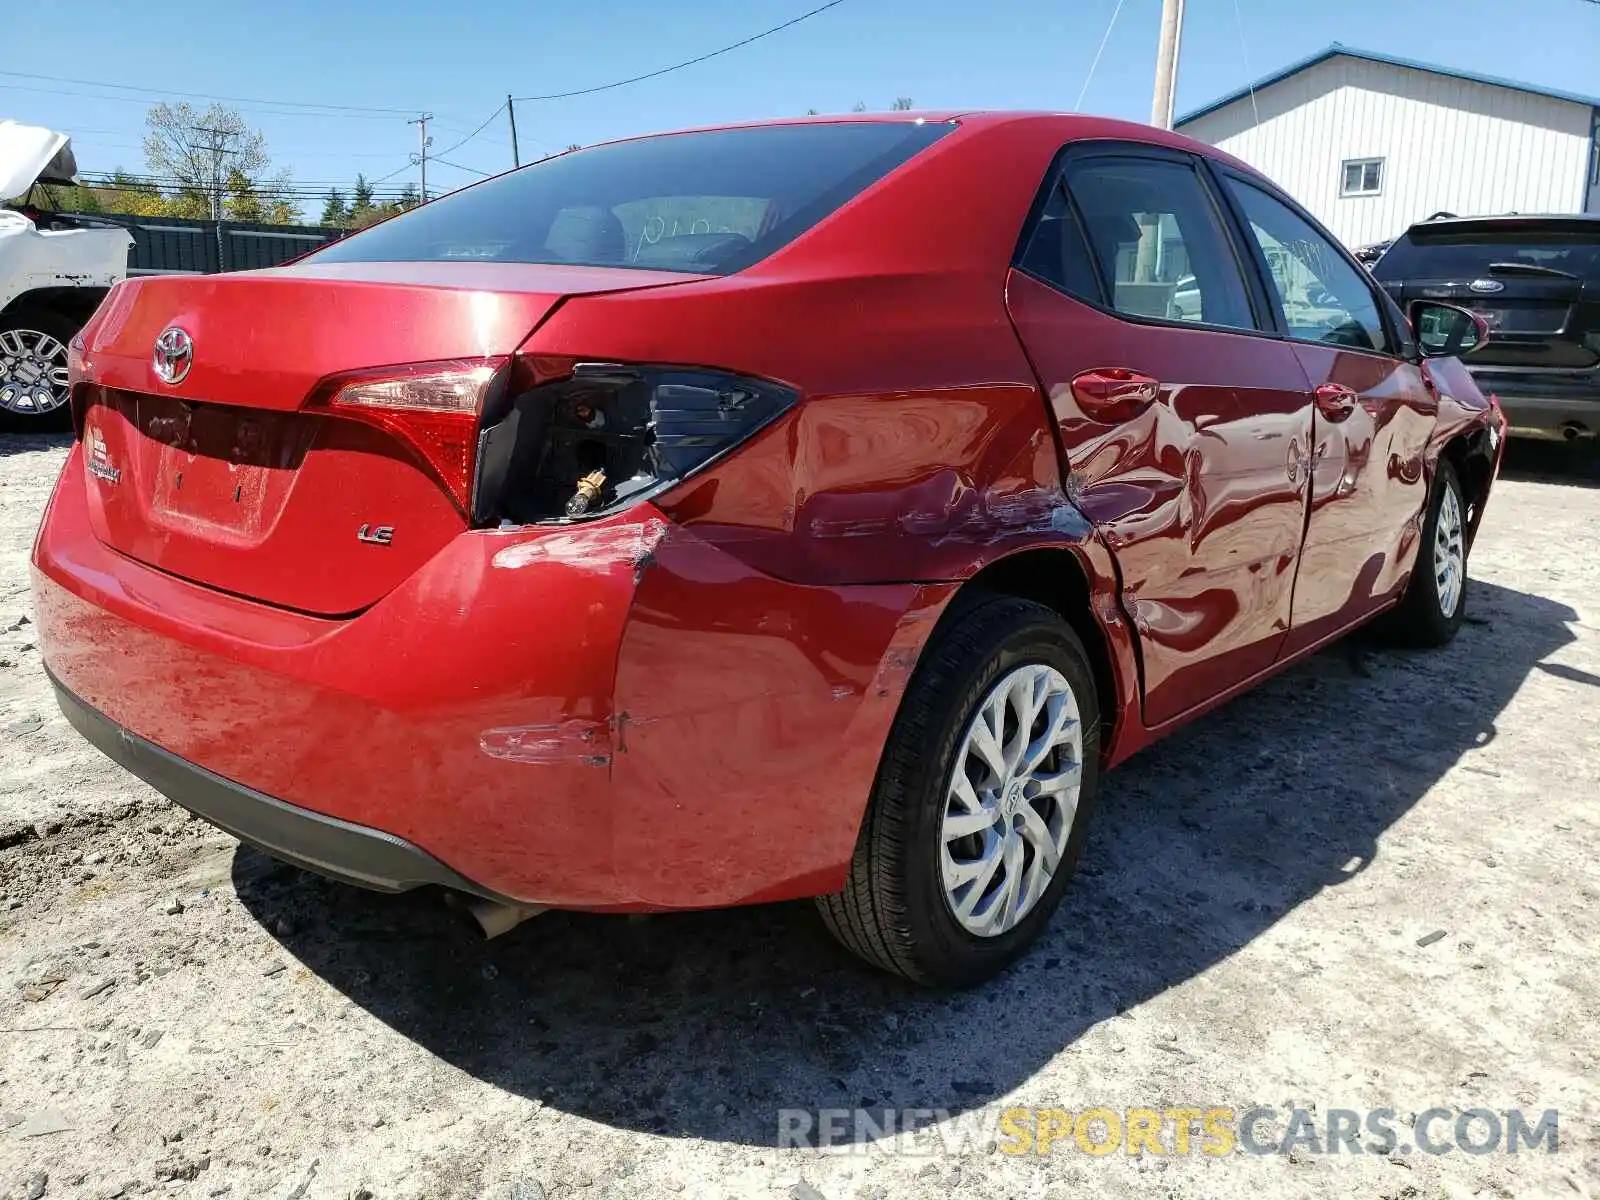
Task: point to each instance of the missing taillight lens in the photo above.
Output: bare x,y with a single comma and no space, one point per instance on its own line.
431,407
609,434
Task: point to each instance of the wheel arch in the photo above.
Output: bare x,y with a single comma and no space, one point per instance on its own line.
77,304
1059,578
1471,454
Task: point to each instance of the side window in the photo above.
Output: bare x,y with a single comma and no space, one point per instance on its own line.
1156,234
1323,297
1057,253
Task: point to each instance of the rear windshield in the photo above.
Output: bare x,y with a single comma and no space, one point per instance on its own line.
1470,253
709,203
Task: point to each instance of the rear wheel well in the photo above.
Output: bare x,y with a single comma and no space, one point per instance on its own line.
77,304
1057,580
1473,459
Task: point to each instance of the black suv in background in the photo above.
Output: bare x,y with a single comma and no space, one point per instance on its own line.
1536,281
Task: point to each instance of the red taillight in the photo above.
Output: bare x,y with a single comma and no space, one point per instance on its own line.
433,407
78,395
77,359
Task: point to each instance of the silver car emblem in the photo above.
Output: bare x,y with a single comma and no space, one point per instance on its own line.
1487,287
174,354
378,535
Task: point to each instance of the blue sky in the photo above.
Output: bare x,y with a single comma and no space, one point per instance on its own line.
459,60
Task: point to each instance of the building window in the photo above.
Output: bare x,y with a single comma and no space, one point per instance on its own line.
1361,177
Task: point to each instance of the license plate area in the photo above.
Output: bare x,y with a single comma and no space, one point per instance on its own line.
1531,317
220,470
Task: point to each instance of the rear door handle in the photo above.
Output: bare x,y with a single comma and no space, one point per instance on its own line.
1114,394
1336,401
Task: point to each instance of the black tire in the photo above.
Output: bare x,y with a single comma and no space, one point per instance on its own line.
62,329
1420,619
893,910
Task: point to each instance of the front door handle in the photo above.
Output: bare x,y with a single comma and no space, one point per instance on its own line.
1336,401
1114,394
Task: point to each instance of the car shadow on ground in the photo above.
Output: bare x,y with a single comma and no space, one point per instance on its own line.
27,443
706,1024
1553,462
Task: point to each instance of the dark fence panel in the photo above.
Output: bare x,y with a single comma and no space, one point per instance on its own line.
166,245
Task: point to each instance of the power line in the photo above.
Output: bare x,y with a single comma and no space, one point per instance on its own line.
270,193
446,162
128,87
1244,49
393,173
499,108
129,183
1093,66
272,112
606,87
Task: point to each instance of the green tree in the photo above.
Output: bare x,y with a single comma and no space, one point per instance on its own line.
902,104
125,194
189,151
242,202
282,212
334,210
194,148
859,106
74,199
192,203
409,198
363,208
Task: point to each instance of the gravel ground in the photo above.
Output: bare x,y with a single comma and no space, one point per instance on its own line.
1253,925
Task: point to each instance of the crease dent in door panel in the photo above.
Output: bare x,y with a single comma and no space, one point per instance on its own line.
1193,495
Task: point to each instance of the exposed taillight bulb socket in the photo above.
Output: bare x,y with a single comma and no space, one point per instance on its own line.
589,488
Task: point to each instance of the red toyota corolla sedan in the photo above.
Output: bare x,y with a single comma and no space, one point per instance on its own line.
806,509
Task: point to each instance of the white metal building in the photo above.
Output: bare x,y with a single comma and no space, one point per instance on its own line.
1371,143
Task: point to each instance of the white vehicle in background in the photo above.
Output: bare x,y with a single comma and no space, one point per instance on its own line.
54,271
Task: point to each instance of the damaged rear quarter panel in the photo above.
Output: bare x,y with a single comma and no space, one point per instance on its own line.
751,715
872,488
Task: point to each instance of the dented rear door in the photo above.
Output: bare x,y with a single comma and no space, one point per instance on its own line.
1185,431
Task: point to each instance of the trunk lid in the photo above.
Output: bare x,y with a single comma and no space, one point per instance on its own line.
225,479
32,154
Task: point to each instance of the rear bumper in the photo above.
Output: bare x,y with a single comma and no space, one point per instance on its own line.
613,717
1545,406
1552,418
341,850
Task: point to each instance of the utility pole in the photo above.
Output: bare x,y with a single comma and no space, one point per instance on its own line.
426,141
218,146
1147,263
1167,64
511,111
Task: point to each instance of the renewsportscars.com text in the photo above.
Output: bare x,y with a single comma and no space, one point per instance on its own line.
1175,1131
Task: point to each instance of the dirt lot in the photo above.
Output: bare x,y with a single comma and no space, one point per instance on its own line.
1252,927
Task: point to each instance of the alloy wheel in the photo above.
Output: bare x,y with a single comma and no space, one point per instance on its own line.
1449,553
33,372
1011,800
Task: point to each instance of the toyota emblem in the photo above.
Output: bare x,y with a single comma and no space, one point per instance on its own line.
174,355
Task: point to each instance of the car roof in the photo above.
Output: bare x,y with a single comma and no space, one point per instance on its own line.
1515,221
1069,127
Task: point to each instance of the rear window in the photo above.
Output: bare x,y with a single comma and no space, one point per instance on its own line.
709,203
1446,253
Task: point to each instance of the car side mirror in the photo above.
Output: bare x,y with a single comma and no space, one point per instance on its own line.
1446,330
